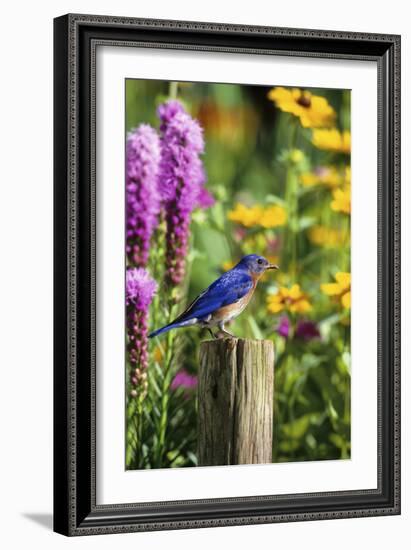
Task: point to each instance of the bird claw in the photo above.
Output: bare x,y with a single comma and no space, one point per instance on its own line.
212,334
225,334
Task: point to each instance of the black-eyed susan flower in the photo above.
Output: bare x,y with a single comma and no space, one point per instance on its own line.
257,215
273,216
342,200
289,299
321,235
340,290
312,110
247,216
332,140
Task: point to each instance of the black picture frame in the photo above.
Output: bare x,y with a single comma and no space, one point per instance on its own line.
76,38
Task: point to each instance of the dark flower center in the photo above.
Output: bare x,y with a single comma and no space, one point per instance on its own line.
304,100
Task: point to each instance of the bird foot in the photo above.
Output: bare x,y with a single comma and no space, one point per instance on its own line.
225,334
212,334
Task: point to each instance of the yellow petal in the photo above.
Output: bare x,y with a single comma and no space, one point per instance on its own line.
284,292
346,300
332,140
344,279
346,142
248,217
308,179
331,289
295,292
272,216
303,306
275,307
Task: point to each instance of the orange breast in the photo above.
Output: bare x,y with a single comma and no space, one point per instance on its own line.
233,310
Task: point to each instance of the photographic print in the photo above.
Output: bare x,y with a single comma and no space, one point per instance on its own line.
237,279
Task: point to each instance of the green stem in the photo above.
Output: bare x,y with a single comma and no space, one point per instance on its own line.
291,198
139,419
173,90
292,202
167,378
165,392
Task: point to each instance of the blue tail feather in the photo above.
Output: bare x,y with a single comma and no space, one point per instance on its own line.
162,330
171,326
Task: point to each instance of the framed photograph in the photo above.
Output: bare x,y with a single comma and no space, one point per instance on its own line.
227,276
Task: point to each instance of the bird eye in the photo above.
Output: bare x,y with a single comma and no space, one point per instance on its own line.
259,261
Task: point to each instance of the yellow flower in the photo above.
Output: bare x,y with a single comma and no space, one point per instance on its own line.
312,110
271,216
322,175
228,265
340,290
246,216
158,354
342,200
332,140
327,236
291,299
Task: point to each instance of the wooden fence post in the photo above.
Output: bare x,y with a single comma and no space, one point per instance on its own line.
235,402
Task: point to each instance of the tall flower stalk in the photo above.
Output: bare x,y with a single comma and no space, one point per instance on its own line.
181,185
142,195
181,180
140,289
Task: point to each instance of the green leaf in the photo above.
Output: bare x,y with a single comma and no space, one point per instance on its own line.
296,429
256,332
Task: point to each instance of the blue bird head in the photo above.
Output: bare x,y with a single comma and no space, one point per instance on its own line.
256,264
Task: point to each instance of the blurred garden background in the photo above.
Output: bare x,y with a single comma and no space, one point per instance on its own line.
275,180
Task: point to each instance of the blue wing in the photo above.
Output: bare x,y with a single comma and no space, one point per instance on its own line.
226,290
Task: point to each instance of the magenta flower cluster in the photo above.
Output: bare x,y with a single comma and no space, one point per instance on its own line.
184,380
181,182
305,330
140,289
142,195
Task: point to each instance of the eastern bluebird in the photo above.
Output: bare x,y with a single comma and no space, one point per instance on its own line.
224,299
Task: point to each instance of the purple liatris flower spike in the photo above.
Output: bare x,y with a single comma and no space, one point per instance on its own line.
140,289
142,196
307,330
181,181
167,111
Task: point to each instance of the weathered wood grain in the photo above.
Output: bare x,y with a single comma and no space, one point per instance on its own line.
235,402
